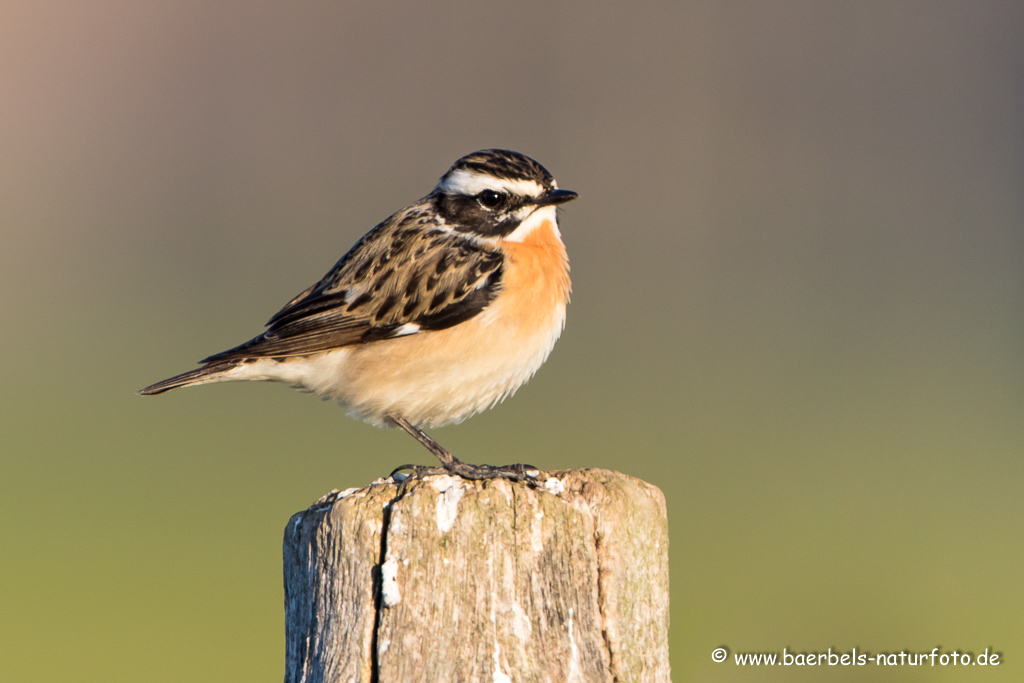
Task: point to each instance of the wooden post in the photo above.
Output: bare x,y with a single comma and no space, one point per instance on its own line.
443,579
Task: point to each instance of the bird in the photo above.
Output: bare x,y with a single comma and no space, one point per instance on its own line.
439,312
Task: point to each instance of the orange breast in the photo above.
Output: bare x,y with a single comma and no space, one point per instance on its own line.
537,274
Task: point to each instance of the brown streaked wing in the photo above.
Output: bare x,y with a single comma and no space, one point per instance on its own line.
401,272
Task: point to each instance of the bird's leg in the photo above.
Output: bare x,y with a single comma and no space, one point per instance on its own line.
442,454
453,465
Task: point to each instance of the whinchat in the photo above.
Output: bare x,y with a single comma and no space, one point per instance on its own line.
437,313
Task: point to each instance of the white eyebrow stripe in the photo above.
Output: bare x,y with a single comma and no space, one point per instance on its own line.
469,183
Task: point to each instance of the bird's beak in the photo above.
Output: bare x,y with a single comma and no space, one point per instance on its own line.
556,197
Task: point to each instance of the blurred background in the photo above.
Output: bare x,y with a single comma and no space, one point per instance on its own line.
798,307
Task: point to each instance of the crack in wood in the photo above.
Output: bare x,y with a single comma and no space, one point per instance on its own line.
378,585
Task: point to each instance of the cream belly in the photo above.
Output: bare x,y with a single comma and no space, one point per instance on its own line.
443,377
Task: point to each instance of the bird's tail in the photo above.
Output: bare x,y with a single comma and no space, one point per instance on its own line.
211,373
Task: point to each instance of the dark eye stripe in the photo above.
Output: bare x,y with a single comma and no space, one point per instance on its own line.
465,213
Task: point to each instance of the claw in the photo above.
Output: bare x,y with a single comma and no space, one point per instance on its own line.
417,471
518,472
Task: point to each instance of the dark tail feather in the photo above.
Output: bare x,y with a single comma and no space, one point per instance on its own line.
210,373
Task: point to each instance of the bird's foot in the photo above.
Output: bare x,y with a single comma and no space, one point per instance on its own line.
518,472
452,465
404,472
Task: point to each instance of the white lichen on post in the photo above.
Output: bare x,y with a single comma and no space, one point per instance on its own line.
444,579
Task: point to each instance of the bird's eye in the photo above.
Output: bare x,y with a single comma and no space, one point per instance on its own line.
490,199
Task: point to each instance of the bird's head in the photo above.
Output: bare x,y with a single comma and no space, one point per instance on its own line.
492,192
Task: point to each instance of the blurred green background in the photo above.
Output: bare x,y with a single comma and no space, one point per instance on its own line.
798,307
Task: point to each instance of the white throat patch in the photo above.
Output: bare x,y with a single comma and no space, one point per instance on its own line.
534,221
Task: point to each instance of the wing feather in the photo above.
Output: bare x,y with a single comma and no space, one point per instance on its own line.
402,276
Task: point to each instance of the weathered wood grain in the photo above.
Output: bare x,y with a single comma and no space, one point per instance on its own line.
444,579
